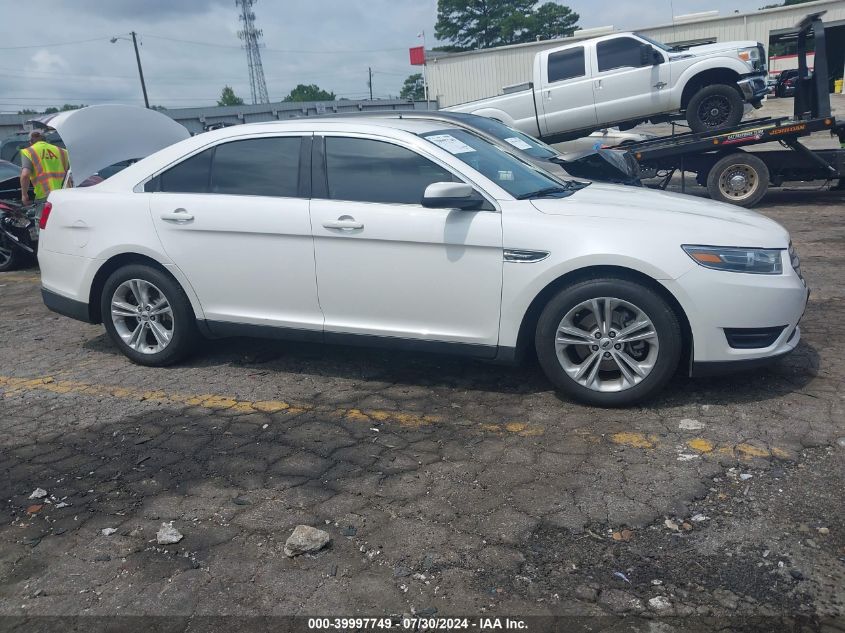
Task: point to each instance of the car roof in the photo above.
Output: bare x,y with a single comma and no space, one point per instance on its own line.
346,123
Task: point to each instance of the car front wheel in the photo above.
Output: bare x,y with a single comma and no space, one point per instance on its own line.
715,108
608,342
148,316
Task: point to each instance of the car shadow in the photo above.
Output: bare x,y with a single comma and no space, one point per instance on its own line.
785,376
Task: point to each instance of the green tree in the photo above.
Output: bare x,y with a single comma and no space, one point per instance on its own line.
469,24
229,98
413,89
311,92
551,20
27,111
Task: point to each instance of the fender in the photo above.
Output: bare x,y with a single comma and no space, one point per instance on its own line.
710,63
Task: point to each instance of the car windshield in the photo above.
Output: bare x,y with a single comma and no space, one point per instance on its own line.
518,178
515,138
659,45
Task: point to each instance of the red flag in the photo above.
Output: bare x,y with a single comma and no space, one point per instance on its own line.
417,56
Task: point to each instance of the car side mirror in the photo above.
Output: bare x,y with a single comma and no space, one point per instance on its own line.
451,195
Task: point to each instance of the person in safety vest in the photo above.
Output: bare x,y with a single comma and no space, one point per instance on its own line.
45,165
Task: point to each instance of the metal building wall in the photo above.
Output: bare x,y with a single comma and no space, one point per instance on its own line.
461,77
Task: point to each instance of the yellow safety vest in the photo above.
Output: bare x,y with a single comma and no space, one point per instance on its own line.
50,165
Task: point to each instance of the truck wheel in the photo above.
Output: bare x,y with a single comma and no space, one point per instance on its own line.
714,108
740,178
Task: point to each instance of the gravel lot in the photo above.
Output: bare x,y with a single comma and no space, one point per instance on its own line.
447,486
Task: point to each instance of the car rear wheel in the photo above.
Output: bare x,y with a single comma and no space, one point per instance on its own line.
148,316
715,108
608,342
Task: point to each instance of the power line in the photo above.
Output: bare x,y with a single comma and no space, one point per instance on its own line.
94,39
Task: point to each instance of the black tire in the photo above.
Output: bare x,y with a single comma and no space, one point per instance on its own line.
739,178
10,257
715,108
658,311
183,322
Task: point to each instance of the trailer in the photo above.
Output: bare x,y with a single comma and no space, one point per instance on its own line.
728,162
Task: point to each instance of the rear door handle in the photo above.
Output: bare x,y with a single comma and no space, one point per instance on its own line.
660,84
177,216
344,222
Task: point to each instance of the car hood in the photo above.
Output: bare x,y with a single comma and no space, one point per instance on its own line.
718,47
102,135
694,220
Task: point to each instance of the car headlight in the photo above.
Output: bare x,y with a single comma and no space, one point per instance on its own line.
752,56
758,261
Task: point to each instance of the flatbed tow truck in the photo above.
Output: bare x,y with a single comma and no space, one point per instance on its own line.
742,176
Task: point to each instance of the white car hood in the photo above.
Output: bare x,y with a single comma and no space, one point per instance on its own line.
710,49
698,220
102,135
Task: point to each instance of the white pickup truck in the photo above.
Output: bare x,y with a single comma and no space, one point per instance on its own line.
625,79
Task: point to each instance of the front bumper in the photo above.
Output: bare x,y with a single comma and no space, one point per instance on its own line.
716,301
753,88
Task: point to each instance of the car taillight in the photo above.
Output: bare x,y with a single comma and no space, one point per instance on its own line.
45,215
789,82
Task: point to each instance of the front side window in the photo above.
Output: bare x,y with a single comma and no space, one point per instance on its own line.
252,167
364,170
567,64
622,52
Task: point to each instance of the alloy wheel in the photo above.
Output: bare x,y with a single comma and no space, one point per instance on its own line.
142,316
714,111
607,344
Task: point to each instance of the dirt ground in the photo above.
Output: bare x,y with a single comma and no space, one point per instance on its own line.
448,487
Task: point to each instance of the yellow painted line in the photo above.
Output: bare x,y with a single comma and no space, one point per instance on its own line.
634,440
19,278
13,386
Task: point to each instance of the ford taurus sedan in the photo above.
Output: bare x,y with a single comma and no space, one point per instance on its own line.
418,235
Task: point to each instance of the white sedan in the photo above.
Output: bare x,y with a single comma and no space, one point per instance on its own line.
422,236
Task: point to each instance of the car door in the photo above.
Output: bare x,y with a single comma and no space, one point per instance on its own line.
626,87
387,266
566,98
234,218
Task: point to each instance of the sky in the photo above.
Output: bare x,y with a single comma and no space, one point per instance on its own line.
54,51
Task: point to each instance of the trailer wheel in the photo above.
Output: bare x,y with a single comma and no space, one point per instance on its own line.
740,178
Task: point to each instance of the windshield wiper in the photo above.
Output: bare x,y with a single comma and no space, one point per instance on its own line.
547,191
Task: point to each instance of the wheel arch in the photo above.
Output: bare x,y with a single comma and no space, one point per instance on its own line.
532,314
711,76
126,259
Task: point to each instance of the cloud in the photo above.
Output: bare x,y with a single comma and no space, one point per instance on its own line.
46,62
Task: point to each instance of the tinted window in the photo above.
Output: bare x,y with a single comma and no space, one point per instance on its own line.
619,53
189,176
566,64
373,171
512,137
257,167
253,167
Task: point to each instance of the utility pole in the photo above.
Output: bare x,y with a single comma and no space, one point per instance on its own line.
140,71
370,82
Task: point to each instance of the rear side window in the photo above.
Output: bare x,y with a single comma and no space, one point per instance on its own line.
257,167
566,64
363,170
622,52
252,167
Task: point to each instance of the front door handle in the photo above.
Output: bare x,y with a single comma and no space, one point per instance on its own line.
599,84
344,222
177,216
660,84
